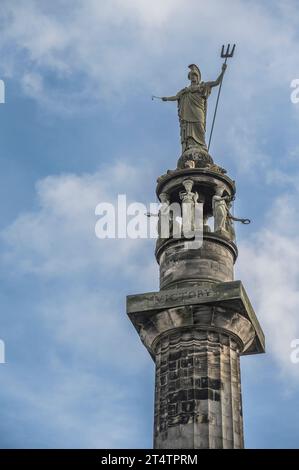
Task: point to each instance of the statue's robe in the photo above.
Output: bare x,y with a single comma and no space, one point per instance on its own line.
220,213
192,109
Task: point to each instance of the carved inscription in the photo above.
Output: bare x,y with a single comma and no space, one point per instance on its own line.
177,296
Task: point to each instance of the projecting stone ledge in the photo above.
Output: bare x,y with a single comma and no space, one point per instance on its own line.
223,307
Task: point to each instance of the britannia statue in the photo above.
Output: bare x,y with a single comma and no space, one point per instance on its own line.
192,108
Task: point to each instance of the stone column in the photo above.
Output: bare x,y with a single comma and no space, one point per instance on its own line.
195,329
198,392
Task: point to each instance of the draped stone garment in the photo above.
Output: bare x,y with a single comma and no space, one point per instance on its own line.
220,213
192,109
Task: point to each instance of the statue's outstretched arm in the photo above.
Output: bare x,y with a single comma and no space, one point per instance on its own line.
218,80
170,98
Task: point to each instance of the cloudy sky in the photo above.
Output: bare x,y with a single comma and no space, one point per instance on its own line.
79,127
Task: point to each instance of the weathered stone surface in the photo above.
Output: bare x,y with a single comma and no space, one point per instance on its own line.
197,392
213,262
154,313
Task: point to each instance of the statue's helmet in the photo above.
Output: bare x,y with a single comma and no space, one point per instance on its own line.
193,68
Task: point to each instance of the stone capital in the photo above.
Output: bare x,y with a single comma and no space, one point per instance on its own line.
224,307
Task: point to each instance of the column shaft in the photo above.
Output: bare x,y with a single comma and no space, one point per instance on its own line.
197,393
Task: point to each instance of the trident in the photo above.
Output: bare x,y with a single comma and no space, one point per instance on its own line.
225,55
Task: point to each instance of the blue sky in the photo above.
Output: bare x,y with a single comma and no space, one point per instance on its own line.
79,127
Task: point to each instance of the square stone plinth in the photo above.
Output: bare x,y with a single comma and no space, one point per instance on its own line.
228,296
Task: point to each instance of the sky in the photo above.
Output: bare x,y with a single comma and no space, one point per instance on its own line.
78,127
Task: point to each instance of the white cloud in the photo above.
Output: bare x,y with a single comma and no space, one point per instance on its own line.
281,178
59,238
57,244
81,309
110,50
243,141
269,267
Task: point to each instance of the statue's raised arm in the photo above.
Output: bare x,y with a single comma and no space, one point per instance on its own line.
219,79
